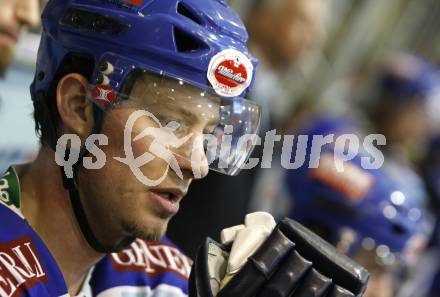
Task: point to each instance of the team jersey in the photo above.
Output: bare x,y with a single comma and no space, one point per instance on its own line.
146,269
27,268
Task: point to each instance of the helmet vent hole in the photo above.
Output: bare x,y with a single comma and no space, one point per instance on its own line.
185,11
41,75
186,43
398,229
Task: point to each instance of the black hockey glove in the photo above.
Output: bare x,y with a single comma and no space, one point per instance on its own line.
292,261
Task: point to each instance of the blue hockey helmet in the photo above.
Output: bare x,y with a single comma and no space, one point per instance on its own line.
198,43
369,202
178,38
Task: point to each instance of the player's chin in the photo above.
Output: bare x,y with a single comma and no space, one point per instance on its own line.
148,227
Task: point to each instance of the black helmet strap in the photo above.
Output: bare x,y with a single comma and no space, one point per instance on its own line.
71,184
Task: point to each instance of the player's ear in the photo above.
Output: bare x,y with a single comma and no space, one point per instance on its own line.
75,110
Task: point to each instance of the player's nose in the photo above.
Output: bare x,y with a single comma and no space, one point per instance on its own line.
27,12
192,159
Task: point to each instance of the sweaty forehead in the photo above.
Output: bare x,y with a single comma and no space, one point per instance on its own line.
151,88
304,7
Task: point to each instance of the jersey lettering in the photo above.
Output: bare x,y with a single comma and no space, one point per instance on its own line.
20,267
153,258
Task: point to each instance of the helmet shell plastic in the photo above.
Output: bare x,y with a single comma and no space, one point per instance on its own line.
177,38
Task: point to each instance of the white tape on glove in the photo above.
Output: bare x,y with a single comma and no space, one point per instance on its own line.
246,240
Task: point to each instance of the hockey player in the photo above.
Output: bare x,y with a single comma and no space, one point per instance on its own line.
404,105
365,213
282,34
14,16
122,93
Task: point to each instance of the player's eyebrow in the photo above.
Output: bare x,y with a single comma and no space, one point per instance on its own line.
193,114
186,112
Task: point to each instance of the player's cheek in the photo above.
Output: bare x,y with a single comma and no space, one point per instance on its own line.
117,146
153,169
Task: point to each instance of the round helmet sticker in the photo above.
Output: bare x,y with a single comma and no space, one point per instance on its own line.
230,73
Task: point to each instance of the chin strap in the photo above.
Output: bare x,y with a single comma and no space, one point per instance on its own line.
71,185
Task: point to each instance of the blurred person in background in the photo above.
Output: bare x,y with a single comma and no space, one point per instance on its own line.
285,35
282,32
426,280
365,213
15,15
402,105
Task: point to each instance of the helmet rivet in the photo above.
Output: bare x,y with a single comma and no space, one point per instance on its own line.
75,19
98,24
41,75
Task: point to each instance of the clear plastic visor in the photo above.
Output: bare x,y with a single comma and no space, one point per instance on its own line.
184,125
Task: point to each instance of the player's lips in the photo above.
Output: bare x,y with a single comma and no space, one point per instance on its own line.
9,34
168,199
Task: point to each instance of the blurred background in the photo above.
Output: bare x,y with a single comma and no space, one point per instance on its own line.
373,61
357,36
19,142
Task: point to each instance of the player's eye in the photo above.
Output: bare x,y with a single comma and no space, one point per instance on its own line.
210,129
176,125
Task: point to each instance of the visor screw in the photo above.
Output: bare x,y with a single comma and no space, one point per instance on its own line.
102,80
106,68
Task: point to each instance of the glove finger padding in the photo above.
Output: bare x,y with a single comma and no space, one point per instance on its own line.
315,284
283,282
259,267
293,261
343,271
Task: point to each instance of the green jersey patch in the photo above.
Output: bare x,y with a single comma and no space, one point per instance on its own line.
10,188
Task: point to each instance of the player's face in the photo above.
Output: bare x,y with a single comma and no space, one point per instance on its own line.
298,26
14,16
380,283
409,125
379,286
119,203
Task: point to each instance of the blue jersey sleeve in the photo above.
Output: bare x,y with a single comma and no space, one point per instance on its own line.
26,265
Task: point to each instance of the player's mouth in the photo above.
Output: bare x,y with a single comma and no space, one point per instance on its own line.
8,36
168,199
